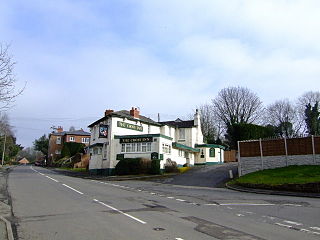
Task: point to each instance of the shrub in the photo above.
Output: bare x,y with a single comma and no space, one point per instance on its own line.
71,148
133,166
171,166
155,166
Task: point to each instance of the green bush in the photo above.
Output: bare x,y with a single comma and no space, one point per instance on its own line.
155,166
71,148
133,166
171,167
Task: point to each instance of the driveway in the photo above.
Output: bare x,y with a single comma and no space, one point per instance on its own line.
204,176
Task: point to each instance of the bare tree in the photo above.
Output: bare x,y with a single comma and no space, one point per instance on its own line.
7,78
237,105
207,122
282,115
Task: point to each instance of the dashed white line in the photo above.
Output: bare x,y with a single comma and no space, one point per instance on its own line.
294,223
283,225
293,205
210,204
247,204
170,197
41,173
240,215
315,228
52,179
119,211
179,239
180,200
72,188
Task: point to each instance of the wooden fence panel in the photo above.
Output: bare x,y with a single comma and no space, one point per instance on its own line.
299,146
273,147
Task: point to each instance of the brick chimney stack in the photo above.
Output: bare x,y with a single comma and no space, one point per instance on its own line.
134,112
108,111
59,129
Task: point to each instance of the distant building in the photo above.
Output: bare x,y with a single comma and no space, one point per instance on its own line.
127,134
59,137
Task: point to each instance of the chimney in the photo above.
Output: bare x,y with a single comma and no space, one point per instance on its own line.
134,112
108,111
197,118
59,129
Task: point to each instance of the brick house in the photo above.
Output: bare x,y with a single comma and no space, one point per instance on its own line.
59,137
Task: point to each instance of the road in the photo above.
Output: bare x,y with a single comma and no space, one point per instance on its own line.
204,176
48,205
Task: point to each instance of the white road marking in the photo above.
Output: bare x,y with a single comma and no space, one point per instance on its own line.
170,197
283,225
180,200
41,173
240,215
152,193
293,205
119,211
315,228
72,188
52,179
210,204
294,223
247,204
179,238
229,207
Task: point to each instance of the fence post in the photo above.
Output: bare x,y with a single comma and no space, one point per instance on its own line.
286,148
313,150
239,161
261,154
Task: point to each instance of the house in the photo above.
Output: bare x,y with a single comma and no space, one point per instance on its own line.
128,134
24,161
59,137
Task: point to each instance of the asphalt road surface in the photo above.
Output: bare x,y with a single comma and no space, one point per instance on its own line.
48,205
204,176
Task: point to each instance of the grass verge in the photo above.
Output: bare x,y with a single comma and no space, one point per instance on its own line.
287,175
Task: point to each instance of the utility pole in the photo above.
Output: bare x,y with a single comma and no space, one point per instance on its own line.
4,148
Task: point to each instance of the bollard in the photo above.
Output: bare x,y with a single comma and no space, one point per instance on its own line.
230,174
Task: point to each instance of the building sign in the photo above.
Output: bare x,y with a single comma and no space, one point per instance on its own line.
103,131
129,126
136,140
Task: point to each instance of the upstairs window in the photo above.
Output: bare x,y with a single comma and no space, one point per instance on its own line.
182,134
71,139
85,140
58,141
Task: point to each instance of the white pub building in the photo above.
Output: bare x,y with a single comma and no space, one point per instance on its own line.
127,134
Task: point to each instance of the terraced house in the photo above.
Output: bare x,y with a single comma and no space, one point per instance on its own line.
127,134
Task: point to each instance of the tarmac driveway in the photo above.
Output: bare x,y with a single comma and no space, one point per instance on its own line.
204,176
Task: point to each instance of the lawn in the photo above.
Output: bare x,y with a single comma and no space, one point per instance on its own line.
279,176
75,169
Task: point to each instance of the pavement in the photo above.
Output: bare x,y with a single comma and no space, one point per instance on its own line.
49,205
5,208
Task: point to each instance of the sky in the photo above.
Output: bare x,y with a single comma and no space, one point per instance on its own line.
79,58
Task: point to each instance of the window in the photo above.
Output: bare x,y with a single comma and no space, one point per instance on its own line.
128,147
148,147
182,133
166,148
58,152
169,131
71,139
212,152
138,147
143,147
58,141
105,151
85,140
182,153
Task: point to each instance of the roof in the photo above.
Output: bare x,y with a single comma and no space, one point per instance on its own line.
179,123
76,132
184,147
23,160
126,114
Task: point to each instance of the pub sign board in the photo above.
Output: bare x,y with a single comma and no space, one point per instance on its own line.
136,140
103,131
129,126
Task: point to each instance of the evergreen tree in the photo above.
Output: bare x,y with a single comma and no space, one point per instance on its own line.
312,119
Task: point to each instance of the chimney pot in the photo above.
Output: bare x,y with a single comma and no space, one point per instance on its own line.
135,112
108,111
